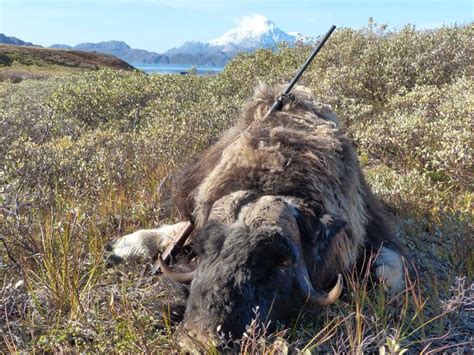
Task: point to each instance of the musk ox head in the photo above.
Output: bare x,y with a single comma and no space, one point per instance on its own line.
254,253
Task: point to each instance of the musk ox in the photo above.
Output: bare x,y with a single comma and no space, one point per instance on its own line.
281,209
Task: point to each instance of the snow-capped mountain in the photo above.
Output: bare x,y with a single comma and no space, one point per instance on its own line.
253,32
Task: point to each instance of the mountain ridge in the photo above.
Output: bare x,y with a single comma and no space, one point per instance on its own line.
251,33
4,39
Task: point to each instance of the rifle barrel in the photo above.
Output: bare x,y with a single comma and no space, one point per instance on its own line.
309,60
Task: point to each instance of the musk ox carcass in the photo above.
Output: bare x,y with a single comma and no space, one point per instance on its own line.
281,209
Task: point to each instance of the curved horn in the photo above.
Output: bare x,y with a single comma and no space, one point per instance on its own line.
182,277
319,298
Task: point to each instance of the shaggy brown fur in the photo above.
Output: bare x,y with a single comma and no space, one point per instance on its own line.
298,152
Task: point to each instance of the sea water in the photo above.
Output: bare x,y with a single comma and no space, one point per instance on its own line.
177,69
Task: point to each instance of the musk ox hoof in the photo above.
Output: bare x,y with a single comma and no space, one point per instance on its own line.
389,270
143,244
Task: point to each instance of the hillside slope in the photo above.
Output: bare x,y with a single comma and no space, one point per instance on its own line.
19,62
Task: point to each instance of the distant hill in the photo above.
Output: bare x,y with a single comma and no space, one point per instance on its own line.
120,50
13,40
198,53
26,62
60,46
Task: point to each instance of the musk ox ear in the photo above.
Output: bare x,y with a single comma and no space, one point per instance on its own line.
323,234
319,231
324,230
329,226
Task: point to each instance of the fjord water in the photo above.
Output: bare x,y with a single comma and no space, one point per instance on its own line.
177,69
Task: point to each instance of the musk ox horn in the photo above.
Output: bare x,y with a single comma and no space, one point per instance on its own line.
316,297
173,275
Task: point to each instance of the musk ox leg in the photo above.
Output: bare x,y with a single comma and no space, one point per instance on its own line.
144,243
389,270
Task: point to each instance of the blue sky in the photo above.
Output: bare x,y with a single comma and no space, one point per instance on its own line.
161,24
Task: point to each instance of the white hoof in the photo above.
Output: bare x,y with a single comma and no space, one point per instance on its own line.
144,243
389,270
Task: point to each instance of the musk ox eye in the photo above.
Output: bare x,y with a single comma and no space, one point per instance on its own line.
285,262
270,264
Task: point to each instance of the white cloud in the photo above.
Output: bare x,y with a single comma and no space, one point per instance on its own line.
250,21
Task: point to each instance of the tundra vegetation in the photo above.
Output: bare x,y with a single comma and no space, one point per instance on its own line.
88,157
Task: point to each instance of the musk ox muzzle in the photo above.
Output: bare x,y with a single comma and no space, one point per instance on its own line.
251,262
